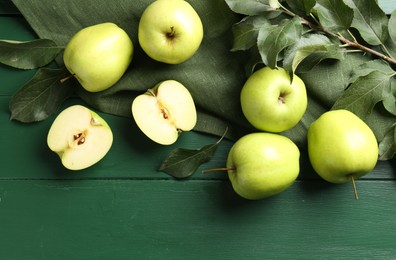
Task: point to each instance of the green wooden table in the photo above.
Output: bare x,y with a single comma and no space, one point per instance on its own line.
123,208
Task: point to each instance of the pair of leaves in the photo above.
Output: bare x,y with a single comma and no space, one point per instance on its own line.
42,95
371,83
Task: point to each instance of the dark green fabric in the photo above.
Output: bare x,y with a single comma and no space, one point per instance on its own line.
214,75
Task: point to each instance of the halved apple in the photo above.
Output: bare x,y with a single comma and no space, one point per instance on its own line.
80,137
164,111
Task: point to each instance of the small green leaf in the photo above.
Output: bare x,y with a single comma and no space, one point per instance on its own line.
246,31
389,91
389,97
370,66
370,20
182,163
316,45
28,55
334,15
303,7
41,96
273,39
251,7
392,26
387,147
362,95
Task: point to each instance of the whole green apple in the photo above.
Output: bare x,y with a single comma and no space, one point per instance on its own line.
341,146
271,101
98,56
262,165
170,31
80,137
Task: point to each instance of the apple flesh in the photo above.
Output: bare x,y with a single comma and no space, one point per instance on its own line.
262,164
341,146
164,111
98,56
80,137
271,101
170,31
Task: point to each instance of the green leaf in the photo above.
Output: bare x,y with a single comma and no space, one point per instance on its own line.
251,7
183,163
246,32
382,124
392,26
389,91
28,55
316,45
328,80
362,95
370,20
387,147
41,96
370,66
334,15
303,7
273,39
389,97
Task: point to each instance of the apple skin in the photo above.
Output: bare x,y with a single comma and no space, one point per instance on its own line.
341,145
170,31
271,102
98,56
80,137
165,111
262,165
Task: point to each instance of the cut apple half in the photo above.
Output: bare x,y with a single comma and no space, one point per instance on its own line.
165,111
80,137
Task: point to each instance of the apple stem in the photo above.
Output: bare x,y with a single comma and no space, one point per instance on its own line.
68,77
151,92
354,188
218,169
171,33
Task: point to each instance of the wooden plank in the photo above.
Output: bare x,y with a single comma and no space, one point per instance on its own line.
194,220
15,28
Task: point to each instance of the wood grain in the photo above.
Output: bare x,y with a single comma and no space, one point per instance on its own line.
194,220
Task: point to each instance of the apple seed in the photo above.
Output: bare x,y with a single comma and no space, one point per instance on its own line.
80,138
164,113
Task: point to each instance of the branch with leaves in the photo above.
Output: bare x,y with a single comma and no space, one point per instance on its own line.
301,35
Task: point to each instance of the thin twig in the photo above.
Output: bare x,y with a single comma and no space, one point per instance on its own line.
347,42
